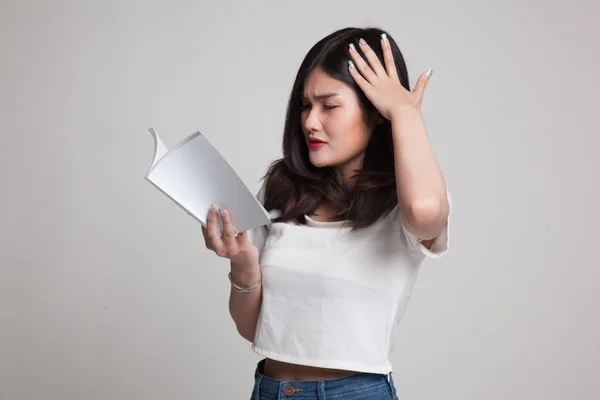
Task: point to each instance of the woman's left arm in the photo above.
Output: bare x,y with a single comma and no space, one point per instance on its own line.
421,190
420,185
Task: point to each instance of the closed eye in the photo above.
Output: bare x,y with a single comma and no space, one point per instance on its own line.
308,106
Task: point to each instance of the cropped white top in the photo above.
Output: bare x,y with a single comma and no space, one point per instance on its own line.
333,298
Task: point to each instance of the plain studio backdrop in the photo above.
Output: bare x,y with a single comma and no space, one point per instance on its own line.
106,288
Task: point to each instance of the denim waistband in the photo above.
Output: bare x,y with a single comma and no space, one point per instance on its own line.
321,388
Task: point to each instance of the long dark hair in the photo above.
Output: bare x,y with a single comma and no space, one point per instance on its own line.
295,186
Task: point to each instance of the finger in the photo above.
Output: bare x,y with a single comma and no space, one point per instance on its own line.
359,79
243,240
388,58
374,61
228,230
362,65
213,231
422,82
206,238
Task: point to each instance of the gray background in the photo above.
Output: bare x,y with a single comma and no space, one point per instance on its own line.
106,289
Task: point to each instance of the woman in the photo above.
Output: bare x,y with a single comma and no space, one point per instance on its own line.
357,202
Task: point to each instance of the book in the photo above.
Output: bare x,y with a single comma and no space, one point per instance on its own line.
194,175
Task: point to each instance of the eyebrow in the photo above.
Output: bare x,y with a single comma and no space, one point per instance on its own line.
322,96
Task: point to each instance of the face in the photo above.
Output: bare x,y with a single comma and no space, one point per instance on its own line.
331,113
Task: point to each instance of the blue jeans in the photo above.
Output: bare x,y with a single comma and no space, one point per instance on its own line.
363,386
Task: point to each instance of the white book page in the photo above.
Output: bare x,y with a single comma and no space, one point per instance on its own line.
195,175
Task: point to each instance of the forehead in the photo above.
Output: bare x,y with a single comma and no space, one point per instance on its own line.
318,82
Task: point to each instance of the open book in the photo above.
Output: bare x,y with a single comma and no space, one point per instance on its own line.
194,175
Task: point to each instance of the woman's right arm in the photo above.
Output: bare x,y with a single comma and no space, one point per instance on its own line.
244,307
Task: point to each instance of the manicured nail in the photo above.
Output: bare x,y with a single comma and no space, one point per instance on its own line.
351,64
222,213
429,73
362,41
351,46
384,37
212,208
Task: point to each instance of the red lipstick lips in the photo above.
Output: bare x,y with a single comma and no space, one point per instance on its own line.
314,143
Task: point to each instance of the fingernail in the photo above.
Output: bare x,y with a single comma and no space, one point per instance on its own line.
351,64
222,212
384,37
212,208
351,46
429,73
362,41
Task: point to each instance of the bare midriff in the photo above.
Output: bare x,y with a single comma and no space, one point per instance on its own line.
282,371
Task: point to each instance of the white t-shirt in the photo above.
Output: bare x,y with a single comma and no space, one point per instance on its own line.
333,298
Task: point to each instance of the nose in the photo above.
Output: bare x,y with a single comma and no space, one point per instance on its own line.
312,123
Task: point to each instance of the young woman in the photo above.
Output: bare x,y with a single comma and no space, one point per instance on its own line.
357,202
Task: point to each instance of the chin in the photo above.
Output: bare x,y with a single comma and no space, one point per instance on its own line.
322,162
319,164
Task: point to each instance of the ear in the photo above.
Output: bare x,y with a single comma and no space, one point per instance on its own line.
375,118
